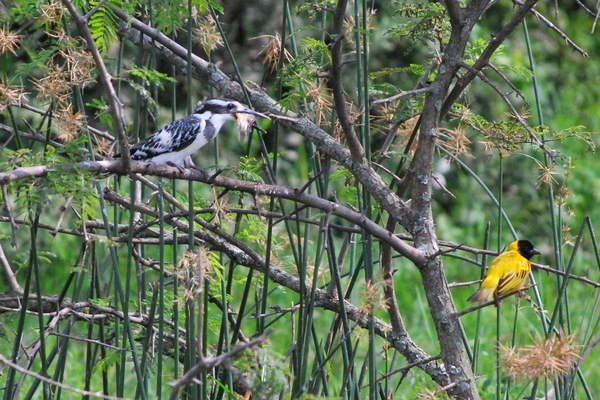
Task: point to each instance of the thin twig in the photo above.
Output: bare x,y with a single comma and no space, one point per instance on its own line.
394,176
588,348
49,381
407,367
338,92
400,95
515,113
13,225
94,10
9,275
277,310
494,302
555,29
444,189
63,211
206,364
516,90
96,342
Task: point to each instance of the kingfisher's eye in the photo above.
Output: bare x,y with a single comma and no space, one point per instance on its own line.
231,106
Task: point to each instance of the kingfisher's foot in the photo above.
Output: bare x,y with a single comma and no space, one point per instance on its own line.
203,172
172,164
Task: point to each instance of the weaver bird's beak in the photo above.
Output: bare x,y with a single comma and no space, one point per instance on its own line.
536,251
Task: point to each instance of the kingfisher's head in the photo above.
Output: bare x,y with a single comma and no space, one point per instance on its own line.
229,110
218,111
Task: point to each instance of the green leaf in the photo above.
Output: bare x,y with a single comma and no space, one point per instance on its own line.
150,75
102,365
170,15
104,25
101,111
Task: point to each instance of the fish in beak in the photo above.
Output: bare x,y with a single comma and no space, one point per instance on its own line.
245,119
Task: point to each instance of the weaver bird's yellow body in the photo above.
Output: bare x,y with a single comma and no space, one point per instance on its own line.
507,273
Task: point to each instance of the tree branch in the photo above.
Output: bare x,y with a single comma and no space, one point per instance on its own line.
555,29
483,60
115,107
206,364
114,167
339,96
400,95
9,274
209,73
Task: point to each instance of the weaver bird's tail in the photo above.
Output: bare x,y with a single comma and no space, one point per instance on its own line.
482,295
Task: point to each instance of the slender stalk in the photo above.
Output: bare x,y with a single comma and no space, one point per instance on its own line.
128,336
161,291
499,249
478,325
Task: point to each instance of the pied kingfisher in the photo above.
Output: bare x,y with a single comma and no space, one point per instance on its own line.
175,143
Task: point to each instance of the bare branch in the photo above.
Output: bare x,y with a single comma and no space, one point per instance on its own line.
23,173
94,10
206,364
588,348
80,339
401,95
339,95
113,167
205,71
555,29
518,93
13,225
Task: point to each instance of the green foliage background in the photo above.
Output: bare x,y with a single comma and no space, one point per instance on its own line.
400,49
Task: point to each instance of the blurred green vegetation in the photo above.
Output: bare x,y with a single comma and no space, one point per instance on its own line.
568,97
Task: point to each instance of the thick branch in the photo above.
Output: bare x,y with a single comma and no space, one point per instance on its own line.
443,310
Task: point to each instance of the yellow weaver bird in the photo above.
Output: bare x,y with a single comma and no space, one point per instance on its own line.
507,273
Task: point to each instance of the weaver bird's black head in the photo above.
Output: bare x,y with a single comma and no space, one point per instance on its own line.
526,249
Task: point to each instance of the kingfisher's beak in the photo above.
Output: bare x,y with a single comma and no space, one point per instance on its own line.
251,112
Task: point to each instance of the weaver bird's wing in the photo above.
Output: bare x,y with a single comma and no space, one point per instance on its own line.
514,275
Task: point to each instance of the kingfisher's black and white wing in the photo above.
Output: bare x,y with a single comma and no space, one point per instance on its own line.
175,142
